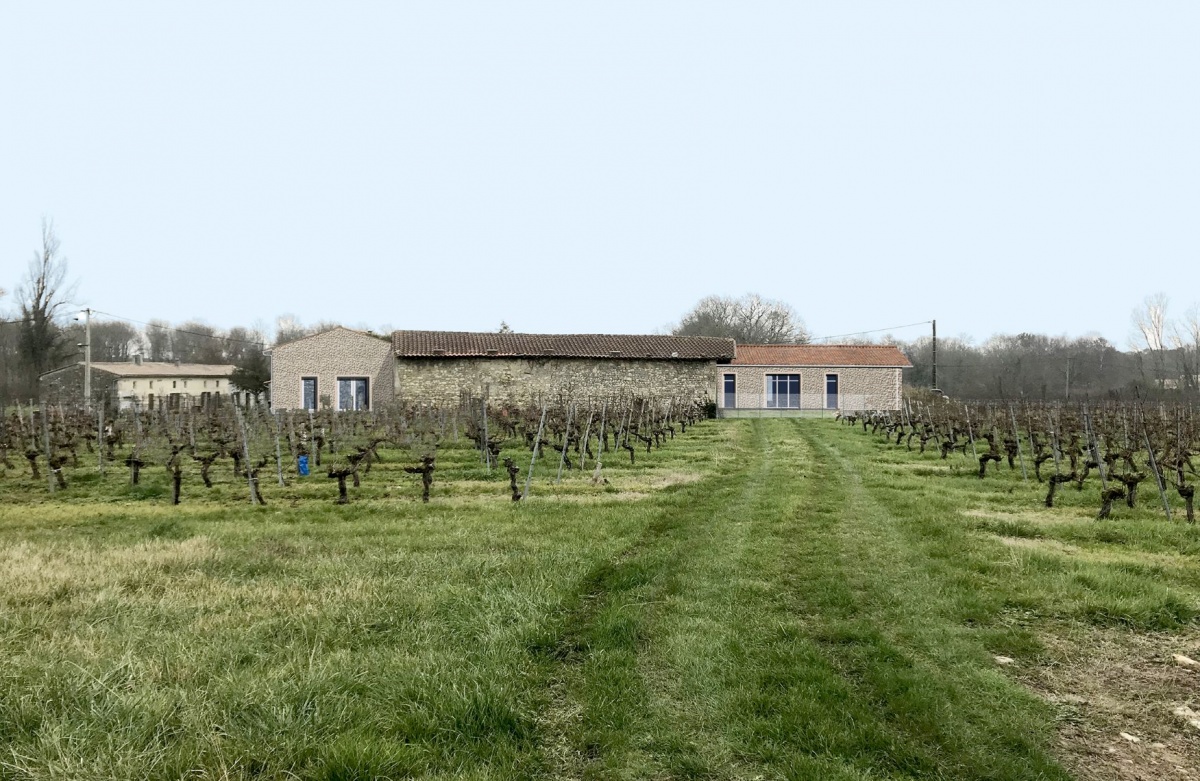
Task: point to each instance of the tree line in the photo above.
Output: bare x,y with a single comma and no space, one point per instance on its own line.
1163,362
40,331
38,334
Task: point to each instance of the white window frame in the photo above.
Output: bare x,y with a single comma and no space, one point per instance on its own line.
338,387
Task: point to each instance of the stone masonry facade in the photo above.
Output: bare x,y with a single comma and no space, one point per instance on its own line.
338,354
859,388
65,386
447,379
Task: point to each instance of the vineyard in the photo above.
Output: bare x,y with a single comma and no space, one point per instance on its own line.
219,451
1110,450
598,588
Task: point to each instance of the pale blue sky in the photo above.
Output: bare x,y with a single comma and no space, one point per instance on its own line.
599,167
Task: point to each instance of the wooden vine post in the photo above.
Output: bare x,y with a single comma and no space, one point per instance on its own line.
251,473
562,458
278,450
1017,437
537,441
50,471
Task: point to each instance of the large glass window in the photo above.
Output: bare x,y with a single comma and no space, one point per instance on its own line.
308,386
353,393
831,391
730,391
783,391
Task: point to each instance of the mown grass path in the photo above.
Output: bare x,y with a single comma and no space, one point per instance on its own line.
784,620
759,599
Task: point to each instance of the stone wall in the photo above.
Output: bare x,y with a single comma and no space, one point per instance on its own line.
328,356
523,379
65,386
873,388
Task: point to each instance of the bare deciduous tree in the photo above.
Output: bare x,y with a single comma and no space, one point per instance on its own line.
158,340
288,328
750,319
1185,339
1150,332
112,340
41,297
1150,323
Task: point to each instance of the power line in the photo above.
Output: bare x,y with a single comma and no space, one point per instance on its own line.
873,331
161,328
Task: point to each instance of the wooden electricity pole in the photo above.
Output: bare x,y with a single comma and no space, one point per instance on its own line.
935,385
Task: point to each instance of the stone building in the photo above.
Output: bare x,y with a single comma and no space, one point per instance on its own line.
443,366
145,384
784,378
341,369
347,369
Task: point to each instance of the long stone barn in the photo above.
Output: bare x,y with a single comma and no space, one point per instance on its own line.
346,369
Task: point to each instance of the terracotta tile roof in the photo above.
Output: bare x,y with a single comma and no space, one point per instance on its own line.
823,355
463,344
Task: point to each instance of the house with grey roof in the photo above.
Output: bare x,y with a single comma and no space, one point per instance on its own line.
145,384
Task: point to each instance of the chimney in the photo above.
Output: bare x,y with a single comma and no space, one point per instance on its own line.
137,359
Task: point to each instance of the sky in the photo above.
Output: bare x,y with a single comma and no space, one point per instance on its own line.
599,167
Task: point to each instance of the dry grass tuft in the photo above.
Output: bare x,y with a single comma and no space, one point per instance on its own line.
1105,682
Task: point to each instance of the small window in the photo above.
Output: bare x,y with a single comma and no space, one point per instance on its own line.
218,383
135,383
185,383
308,393
151,383
175,384
353,393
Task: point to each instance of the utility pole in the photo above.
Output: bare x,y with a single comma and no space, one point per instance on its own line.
87,358
935,385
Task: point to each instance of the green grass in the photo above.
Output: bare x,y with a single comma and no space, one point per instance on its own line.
772,598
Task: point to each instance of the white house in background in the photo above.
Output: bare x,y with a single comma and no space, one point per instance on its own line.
149,385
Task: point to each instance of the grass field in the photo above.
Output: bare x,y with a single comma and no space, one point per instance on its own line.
769,599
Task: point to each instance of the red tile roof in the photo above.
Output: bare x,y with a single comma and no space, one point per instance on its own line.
463,344
822,355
